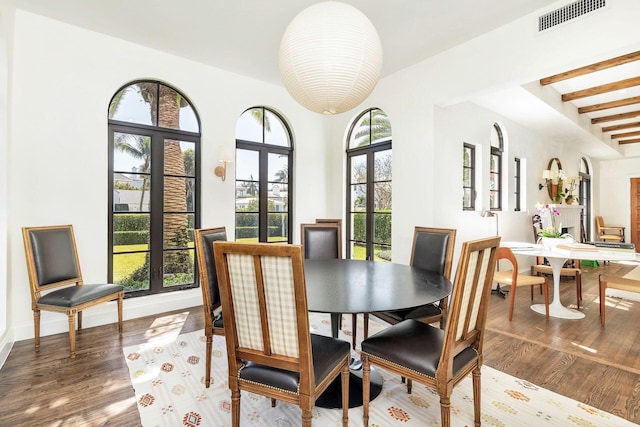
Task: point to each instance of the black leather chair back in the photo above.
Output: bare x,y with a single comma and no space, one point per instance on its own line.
54,255
210,263
430,251
321,242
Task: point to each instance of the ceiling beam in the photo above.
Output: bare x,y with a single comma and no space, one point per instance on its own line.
597,90
614,117
603,65
629,141
625,135
621,127
607,105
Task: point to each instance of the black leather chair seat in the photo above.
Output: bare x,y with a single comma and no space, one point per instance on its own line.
414,345
327,354
76,295
424,311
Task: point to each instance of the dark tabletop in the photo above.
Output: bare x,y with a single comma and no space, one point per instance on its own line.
356,286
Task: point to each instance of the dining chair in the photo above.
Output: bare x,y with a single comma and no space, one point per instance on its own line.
572,268
514,279
323,240
609,233
432,250
269,347
213,323
439,358
56,281
614,282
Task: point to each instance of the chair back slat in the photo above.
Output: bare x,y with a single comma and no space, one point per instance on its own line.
469,301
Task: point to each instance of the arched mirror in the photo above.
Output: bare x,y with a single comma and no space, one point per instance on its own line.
555,175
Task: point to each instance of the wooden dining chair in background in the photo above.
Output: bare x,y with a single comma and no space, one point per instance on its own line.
608,233
213,323
270,350
432,250
513,279
441,359
323,240
54,268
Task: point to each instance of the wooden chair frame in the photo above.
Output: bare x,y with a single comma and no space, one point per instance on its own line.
614,282
239,356
204,255
71,277
464,330
609,232
514,279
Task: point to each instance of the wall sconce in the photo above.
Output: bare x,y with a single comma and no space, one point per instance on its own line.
224,155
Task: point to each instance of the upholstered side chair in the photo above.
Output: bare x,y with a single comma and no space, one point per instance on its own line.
441,359
56,280
269,347
432,250
213,323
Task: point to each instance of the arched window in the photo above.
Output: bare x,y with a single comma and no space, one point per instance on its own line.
495,168
584,196
264,157
154,187
369,172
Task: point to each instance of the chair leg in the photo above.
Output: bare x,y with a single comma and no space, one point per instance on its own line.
579,288
72,332
409,386
36,328
354,328
512,291
306,418
445,411
235,408
546,297
79,320
365,317
476,396
120,298
345,394
603,288
366,379
209,349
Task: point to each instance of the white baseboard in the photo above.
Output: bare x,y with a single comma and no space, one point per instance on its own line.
104,314
6,343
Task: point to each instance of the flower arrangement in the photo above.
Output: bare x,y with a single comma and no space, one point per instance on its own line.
554,229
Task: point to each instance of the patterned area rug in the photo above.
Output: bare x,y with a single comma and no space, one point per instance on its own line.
626,295
168,378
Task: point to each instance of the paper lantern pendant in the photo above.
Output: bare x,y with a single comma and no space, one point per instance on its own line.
330,57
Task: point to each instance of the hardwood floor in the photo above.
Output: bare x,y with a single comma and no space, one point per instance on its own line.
576,358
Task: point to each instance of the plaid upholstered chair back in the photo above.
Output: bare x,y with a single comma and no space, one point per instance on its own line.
470,300
264,304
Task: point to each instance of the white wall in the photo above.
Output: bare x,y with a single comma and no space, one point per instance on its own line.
64,78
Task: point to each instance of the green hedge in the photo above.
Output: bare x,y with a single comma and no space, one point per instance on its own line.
382,227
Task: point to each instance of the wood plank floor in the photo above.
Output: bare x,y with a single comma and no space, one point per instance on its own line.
576,358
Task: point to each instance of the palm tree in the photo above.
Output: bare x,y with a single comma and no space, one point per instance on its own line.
138,147
375,126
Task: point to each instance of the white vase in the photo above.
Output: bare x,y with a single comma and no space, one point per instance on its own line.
551,242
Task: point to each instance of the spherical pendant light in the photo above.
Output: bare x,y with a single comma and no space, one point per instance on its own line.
330,57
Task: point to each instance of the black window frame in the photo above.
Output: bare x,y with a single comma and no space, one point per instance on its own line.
471,167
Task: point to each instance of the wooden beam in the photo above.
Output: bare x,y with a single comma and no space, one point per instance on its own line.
625,135
629,141
614,117
620,127
597,90
607,105
602,65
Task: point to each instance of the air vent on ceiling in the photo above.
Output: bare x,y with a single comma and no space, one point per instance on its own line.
568,12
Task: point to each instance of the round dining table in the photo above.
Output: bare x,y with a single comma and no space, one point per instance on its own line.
338,286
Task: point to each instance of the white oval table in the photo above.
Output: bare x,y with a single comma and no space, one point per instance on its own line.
557,260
